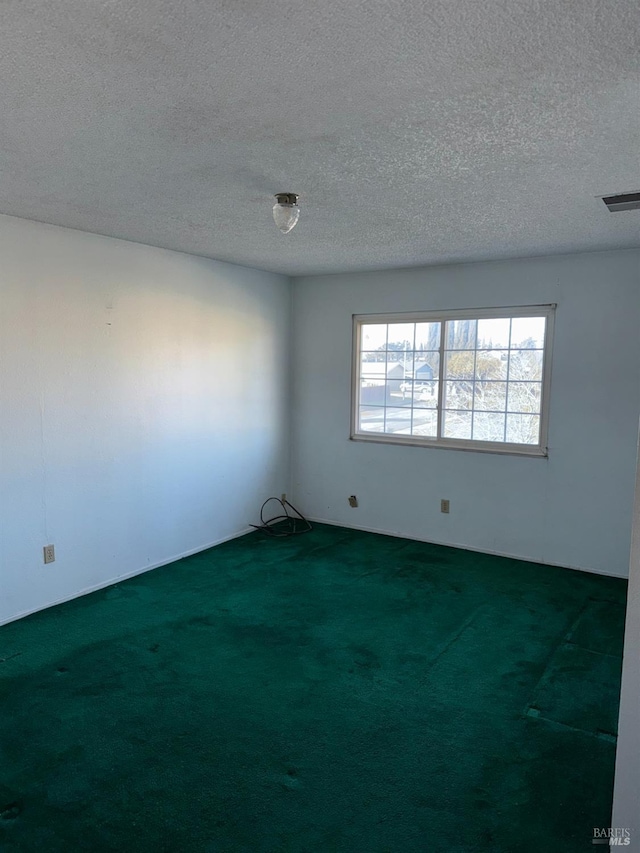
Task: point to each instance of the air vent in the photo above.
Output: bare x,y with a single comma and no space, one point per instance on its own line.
627,201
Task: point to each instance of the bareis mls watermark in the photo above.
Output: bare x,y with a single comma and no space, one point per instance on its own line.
613,836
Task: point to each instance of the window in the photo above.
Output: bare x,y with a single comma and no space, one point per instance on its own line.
475,379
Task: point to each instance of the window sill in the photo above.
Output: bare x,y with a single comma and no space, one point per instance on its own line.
455,444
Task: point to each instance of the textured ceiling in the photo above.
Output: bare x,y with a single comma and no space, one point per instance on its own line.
415,131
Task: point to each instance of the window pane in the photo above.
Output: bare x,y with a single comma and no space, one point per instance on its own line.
488,426
525,364
372,393
397,420
394,392
405,395
426,366
373,357
427,336
458,395
401,336
425,395
373,370
524,397
523,429
373,336
461,334
397,368
459,365
527,332
490,396
492,363
405,360
425,423
371,419
397,363
457,424
494,334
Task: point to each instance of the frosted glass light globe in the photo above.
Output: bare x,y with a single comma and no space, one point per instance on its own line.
285,216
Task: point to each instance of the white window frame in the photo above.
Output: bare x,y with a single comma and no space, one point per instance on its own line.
540,450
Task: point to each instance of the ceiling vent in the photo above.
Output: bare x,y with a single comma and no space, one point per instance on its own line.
626,201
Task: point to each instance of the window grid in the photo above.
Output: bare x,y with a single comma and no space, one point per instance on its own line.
520,418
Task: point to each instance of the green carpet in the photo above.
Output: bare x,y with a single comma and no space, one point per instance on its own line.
336,691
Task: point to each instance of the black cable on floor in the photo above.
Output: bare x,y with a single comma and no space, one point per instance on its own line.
284,524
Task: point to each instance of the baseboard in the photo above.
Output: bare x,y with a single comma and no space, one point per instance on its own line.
103,584
334,523
464,547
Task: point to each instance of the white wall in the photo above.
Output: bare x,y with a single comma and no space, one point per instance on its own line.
572,509
144,398
626,797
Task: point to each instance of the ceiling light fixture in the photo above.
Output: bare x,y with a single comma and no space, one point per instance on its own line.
286,211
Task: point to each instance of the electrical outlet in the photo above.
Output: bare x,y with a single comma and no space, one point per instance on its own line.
444,505
353,500
49,554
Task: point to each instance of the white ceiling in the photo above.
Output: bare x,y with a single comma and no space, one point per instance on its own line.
414,132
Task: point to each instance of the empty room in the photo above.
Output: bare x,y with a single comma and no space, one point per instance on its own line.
320,391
